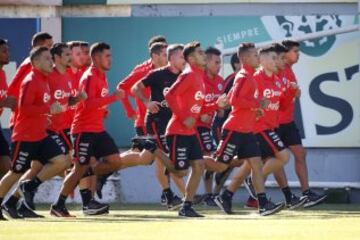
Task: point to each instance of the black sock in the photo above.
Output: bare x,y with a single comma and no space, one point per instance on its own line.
12,201
61,200
262,199
306,192
168,193
187,204
33,184
1,200
86,196
228,194
287,193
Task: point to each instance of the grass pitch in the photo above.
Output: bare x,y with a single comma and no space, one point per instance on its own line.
154,222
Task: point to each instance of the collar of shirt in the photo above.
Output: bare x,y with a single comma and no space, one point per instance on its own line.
247,70
39,74
197,69
97,72
266,77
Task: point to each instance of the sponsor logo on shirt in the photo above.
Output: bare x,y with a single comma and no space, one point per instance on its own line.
61,94
211,97
195,109
269,93
46,97
199,96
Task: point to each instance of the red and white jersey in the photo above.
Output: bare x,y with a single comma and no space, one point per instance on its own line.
3,87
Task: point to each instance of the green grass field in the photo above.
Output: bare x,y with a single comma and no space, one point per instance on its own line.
153,222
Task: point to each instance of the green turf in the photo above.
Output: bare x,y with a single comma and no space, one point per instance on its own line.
153,222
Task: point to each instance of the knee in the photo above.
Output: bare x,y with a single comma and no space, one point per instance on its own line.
283,156
182,173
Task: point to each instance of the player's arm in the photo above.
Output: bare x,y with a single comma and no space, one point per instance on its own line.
28,92
241,97
73,100
15,84
8,102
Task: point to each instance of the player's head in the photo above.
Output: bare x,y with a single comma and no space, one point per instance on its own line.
85,48
101,57
4,52
61,54
40,58
248,54
194,54
42,39
156,39
213,61
268,58
175,56
280,50
235,62
76,54
158,54
293,54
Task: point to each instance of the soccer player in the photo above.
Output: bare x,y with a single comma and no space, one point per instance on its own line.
85,48
5,102
238,136
158,113
91,141
30,142
289,132
214,88
186,100
40,39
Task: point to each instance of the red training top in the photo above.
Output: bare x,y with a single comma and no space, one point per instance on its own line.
287,113
3,87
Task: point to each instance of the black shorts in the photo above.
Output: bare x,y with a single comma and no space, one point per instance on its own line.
156,129
87,145
66,135
60,140
184,149
289,134
242,145
270,143
22,153
4,145
206,139
140,131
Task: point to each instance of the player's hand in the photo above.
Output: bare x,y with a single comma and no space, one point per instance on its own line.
222,101
189,122
82,95
153,106
56,108
221,113
119,94
10,102
264,103
205,118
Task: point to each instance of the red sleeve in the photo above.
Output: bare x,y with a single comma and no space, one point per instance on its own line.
178,89
27,98
14,86
126,85
92,101
287,98
240,96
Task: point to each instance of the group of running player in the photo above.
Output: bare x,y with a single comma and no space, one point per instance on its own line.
186,116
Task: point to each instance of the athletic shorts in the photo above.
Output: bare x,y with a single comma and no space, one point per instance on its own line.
60,139
242,145
270,143
4,145
289,134
206,139
183,149
22,153
87,145
156,129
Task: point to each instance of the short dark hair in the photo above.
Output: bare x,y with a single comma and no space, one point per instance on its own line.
189,48
73,44
244,47
58,49
173,48
279,48
267,49
36,52
290,43
98,47
84,44
233,60
3,42
156,39
157,47
212,51
39,38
